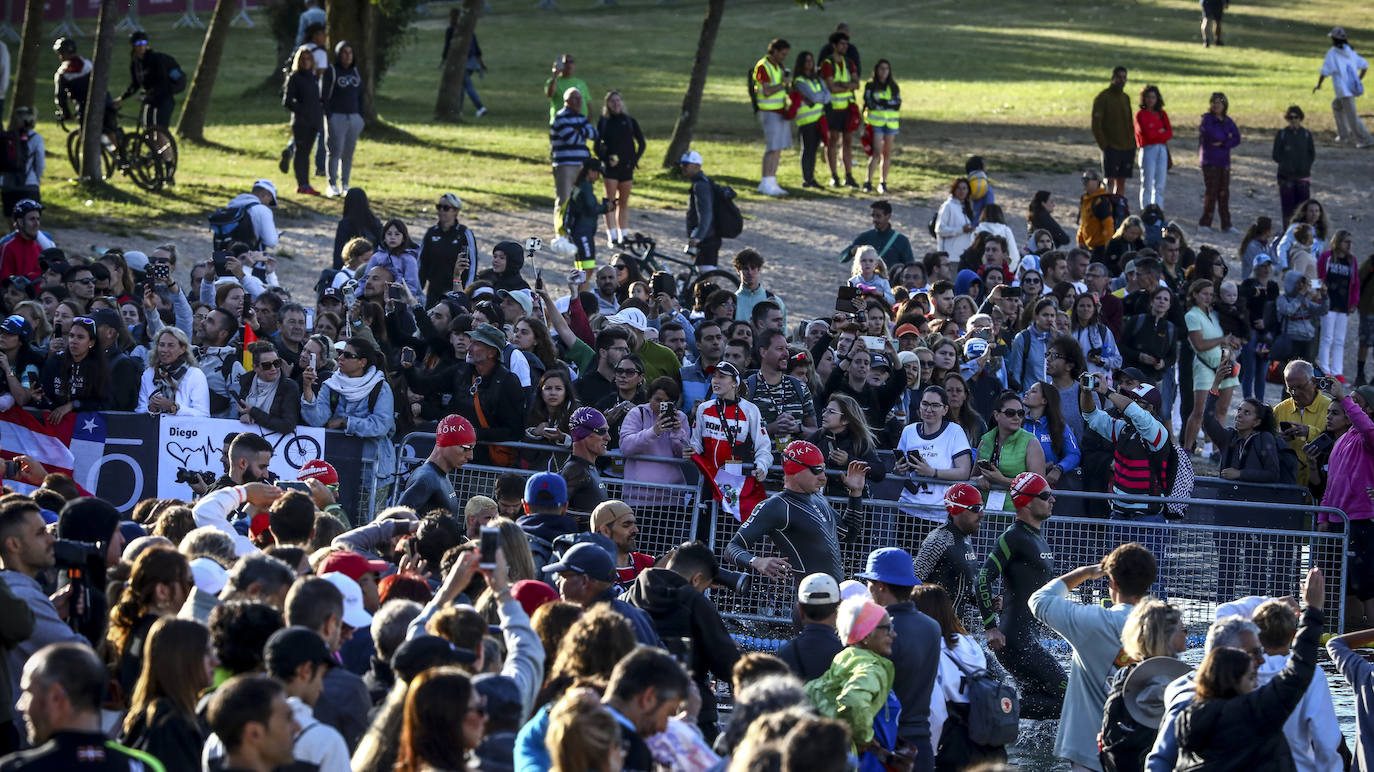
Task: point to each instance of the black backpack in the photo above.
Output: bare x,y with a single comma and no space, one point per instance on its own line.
729,221
14,154
1123,742
229,224
994,710
176,77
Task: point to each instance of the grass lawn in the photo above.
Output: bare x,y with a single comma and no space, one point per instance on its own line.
1016,70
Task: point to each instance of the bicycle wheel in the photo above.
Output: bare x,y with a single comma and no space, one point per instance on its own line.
145,163
721,278
165,145
74,154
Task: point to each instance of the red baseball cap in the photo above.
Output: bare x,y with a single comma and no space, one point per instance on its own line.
351,565
454,430
321,470
259,524
532,594
800,455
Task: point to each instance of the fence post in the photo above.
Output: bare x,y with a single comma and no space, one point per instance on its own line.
67,27
188,18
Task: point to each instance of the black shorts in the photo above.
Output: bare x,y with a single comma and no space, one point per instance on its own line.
836,120
619,175
1118,164
1212,9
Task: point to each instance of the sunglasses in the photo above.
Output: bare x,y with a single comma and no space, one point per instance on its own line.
270,364
350,355
885,628
620,267
87,280
1044,495
85,320
927,363
601,431
817,470
974,508
443,207
627,371
1013,413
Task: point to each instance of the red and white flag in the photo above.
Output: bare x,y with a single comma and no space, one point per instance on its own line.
74,443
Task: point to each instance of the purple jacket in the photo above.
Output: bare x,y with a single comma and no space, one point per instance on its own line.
1350,472
1213,130
1354,277
637,439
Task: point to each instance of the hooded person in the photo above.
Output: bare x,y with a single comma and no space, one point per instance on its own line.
507,259
964,280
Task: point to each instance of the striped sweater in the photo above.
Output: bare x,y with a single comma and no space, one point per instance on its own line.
568,136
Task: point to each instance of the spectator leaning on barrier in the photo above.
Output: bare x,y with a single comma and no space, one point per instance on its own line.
429,488
1302,416
358,400
1094,633
266,397
1141,443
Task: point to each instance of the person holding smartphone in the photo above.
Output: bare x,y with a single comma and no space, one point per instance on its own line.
933,448
1008,449
266,397
655,428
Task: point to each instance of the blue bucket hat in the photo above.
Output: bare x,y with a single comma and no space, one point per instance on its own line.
890,565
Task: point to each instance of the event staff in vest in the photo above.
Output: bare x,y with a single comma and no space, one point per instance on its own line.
428,487
840,78
770,99
946,556
882,101
1142,446
1024,562
803,525
808,87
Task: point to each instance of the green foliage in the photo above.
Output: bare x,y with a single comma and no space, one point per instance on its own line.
393,35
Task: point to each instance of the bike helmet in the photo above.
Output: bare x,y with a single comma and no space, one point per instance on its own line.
1027,486
64,46
24,207
962,496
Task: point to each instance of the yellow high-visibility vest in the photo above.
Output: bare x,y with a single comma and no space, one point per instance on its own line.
778,99
840,99
809,114
882,119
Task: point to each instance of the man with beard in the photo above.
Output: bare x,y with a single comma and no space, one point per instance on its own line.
615,520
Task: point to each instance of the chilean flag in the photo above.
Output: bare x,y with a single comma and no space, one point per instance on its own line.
73,446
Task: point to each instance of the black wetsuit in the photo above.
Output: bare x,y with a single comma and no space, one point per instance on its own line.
947,558
805,528
1025,562
71,750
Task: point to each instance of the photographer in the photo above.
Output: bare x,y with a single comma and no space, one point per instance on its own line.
1142,445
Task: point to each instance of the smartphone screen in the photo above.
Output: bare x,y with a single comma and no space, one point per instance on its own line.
491,539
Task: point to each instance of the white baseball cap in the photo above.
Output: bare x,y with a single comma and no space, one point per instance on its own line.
630,317
354,615
267,185
818,590
690,157
208,575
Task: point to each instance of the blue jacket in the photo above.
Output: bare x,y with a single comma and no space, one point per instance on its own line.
1072,455
375,426
916,657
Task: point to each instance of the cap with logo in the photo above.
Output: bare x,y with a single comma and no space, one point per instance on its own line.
546,489
584,422
352,565
962,496
690,157
1027,486
801,455
319,469
14,324
1144,392
454,430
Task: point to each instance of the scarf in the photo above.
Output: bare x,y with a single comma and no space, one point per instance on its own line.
168,377
261,393
354,389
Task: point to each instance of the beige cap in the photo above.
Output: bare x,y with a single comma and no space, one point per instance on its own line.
608,512
1337,33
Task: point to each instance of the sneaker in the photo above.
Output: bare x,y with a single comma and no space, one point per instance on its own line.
611,242
285,163
1363,145
765,189
811,184
1232,230
1360,381
332,192
849,182
1204,229
882,187
1219,42
868,187
481,111
834,181
779,190
307,191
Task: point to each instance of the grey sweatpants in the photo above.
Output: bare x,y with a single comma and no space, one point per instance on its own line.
341,133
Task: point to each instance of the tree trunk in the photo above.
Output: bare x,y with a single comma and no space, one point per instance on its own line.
92,170
31,46
345,22
449,106
369,61
691,101
197,105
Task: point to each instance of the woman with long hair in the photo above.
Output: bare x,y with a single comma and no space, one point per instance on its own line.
1249,450
720,305
736,427
1207,340
629,391
1045,420
619,146
1217,136
546,423
949,704
1129,237
583,736
1312,214
808,87
961,409
954,221
882,102
357,221
1233,722
444,720
627,273
654,428
178,664
121,278
173,383
845,436
1254,243
1099,345
946,354
399,254
78,377
301,95
531,337
1152,135
1008,449
1339,269
1040,216
341,90
157,586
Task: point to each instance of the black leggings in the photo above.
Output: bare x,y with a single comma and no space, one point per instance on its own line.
811,141
304,134
1041,679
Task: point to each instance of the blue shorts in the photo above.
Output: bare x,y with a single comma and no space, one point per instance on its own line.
883,131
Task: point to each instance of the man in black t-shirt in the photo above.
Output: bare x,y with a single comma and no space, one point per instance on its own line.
428,487
591,440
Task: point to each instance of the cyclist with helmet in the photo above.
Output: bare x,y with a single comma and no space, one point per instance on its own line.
803,525
19,250
72,81
24,183
1024,562
151,73
946,556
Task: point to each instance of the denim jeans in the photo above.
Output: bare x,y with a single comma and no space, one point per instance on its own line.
1253,369
1154,171
471,90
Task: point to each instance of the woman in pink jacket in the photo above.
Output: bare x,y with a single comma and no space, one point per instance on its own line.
1337,267
655,428
1152,135
1350,473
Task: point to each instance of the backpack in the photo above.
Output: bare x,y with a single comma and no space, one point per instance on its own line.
1112,205
1123,742
994,710
1288,461
14,153
176,77
325,281
930,226
752,85
229,224
729,221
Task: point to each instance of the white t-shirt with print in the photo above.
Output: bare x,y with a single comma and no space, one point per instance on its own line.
939,450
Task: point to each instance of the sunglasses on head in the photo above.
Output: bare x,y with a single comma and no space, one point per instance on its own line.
85,321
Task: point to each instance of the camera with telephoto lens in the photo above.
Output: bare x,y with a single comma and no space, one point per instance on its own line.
70,554
735,581
189,476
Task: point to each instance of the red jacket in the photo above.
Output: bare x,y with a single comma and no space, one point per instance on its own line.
1152,128
19,257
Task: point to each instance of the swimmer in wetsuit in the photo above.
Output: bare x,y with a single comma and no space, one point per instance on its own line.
946,556
1025,562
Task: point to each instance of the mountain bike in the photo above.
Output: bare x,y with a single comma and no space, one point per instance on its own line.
148,155
643,250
